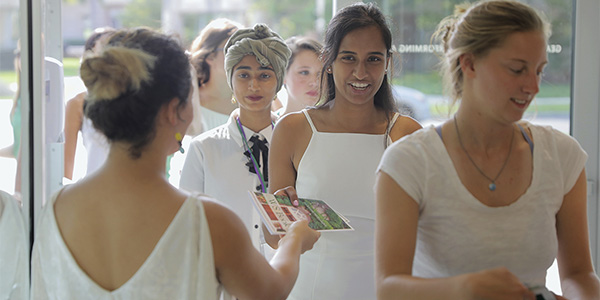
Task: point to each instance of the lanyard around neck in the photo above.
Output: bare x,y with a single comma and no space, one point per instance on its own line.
254,160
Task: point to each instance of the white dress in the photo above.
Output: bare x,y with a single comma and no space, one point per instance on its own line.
457,234
181,265
96,145
216,165
14,252
339,168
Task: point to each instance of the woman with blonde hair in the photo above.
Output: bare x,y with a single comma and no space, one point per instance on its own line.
480,206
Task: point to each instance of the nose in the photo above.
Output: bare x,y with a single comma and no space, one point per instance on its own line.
532,84
360,71
253,84
314,80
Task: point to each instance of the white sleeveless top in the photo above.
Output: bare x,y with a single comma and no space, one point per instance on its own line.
95,144
181,265
14,251
339,168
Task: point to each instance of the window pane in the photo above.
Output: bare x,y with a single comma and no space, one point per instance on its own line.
414,22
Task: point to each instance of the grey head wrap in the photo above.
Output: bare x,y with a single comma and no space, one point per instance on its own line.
260,41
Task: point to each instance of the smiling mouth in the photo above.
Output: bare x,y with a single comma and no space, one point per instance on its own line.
359,86
519,101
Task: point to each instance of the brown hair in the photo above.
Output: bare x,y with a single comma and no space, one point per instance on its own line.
207,43
477,29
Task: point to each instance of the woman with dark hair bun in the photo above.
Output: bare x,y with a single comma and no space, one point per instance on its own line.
330,152
124,232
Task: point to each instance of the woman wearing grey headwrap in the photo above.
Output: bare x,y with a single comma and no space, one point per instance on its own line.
231,159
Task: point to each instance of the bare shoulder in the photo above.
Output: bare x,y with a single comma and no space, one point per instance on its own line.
404,126
77,101
293,122
292,128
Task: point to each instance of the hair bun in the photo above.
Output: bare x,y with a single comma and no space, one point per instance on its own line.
115,71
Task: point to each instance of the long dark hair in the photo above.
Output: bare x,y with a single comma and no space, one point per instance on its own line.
356,16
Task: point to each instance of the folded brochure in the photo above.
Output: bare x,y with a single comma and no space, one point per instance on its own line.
278,213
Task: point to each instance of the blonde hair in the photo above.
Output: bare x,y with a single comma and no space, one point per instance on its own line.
477,29
132,77
115,71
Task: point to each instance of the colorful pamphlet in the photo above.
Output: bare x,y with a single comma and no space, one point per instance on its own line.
278,213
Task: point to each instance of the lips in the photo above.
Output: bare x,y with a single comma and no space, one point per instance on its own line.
254,98
312,93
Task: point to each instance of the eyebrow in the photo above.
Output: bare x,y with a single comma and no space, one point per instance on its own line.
352,52
260,68
525,62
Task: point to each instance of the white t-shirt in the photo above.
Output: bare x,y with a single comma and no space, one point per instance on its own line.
14,253
458,234
181,265
216,165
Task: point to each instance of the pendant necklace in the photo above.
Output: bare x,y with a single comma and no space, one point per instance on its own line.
492,185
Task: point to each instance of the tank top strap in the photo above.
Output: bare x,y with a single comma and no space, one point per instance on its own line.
438,129
388,139
310,122
526,136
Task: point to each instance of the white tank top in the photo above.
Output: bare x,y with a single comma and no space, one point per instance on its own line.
339,168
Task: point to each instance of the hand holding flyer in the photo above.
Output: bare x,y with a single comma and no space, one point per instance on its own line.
278,213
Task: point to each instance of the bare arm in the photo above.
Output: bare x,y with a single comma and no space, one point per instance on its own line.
282,171
395,239
241,269
578,279
73,121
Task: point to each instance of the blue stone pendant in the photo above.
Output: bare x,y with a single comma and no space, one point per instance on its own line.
492,186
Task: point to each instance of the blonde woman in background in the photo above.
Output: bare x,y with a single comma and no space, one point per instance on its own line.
302,74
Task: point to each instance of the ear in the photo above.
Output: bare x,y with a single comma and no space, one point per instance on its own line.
388,62
467,64
210,59
172,111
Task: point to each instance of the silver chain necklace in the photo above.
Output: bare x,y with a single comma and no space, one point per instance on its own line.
492,185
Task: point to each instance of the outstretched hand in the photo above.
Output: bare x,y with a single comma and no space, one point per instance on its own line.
290,192
307,235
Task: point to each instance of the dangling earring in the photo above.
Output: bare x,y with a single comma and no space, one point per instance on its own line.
179,138
233,100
